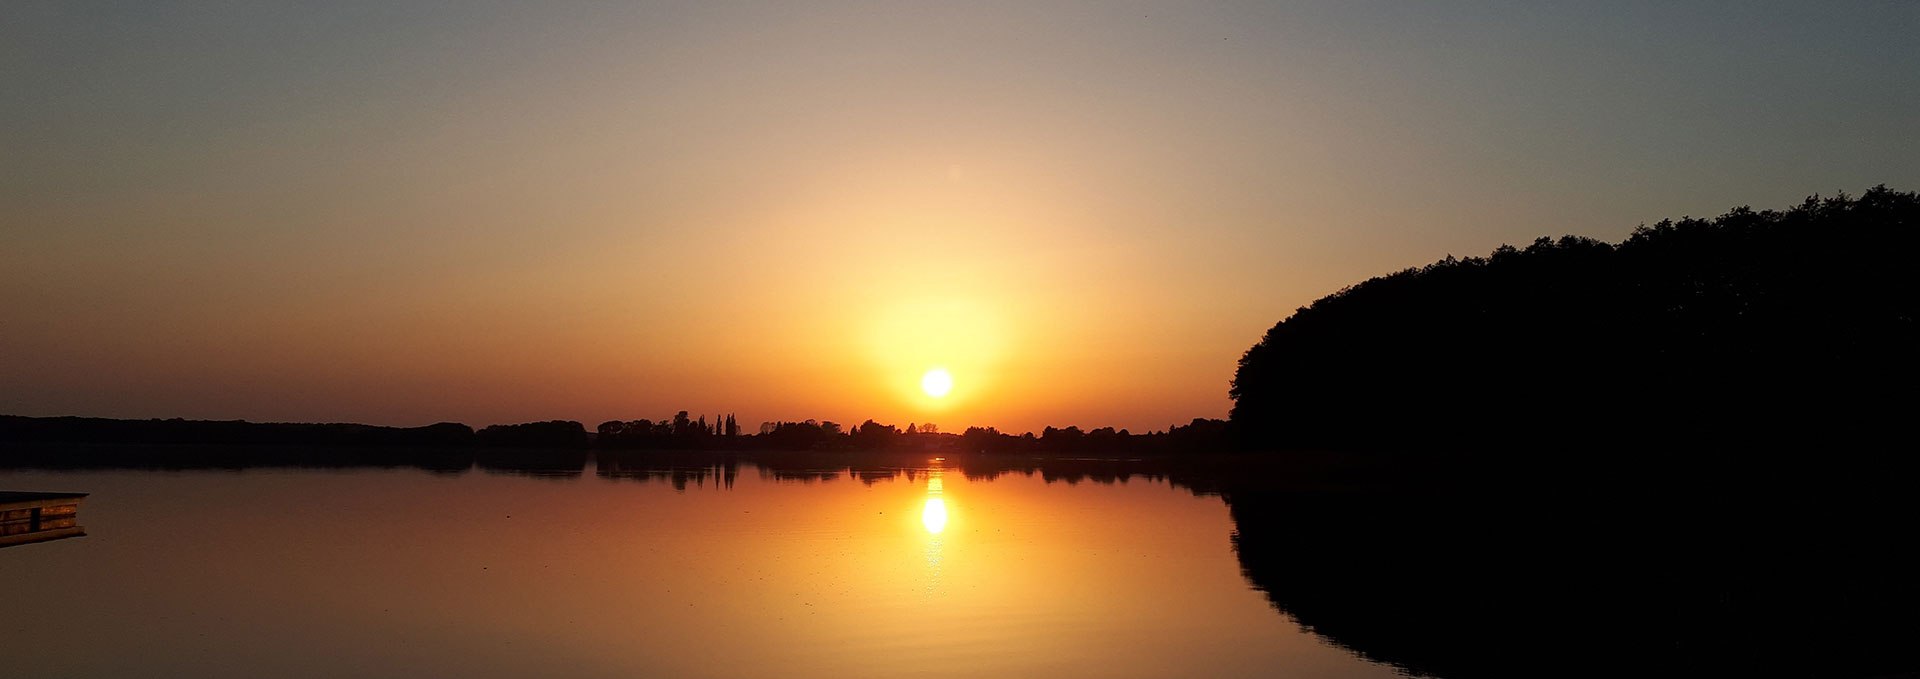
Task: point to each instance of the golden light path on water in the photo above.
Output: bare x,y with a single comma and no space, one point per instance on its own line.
933,515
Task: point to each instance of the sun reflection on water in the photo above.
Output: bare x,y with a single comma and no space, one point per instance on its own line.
933,515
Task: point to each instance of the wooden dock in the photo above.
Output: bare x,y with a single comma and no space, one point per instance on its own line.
38,517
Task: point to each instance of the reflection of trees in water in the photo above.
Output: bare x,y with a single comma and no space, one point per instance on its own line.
679,470
558,463
1557,582
801,475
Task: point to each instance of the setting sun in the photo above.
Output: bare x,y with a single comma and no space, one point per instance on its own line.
937,382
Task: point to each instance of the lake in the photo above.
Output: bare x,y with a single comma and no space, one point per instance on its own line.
642,568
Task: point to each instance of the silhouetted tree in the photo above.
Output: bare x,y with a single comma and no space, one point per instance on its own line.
873,435
805,435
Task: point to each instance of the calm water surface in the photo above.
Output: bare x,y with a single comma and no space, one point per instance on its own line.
403,573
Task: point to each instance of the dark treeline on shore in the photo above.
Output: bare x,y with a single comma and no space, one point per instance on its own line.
1197,436
99,430
1750,328
679,432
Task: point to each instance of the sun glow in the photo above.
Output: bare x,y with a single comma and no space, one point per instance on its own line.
937,355
937,382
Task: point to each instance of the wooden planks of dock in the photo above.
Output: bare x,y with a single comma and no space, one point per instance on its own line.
27,517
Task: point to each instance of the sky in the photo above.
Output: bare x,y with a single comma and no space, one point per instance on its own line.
403,212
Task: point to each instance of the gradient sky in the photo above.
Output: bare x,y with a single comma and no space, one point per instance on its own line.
401,213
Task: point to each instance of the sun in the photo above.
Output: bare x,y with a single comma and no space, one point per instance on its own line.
937,382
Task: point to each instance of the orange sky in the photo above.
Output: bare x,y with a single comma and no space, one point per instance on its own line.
403,214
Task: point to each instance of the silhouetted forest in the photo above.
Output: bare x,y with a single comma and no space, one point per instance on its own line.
1750,328
680,432
177,431
92,441
550,434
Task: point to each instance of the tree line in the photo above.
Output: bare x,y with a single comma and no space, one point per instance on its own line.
681,431
1752,327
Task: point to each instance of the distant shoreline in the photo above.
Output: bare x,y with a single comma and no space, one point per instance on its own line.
677,433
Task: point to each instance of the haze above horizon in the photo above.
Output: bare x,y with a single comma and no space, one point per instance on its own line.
1079,213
